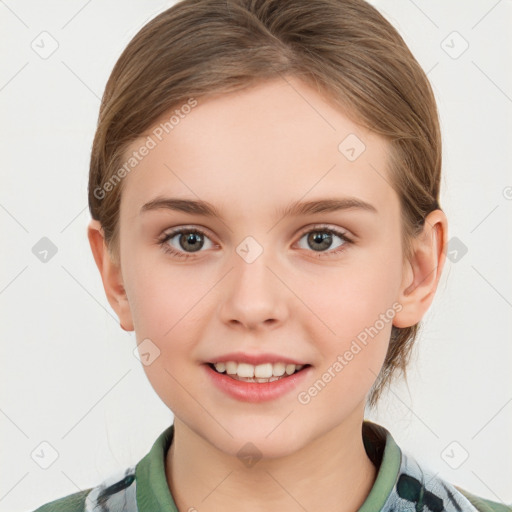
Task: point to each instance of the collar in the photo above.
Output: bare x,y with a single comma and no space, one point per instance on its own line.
401,484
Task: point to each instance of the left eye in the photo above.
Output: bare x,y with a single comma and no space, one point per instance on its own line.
322,238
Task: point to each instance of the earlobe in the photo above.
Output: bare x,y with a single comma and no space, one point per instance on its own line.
423,270
111,275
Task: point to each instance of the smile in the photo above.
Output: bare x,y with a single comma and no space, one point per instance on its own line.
250,387
266,372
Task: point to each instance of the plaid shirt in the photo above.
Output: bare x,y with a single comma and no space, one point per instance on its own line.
402,484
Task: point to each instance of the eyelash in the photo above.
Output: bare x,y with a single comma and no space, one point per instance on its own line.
173,252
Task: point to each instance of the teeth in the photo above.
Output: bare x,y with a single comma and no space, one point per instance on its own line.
246,370
261,373
231,367
278,369
290,368
220,367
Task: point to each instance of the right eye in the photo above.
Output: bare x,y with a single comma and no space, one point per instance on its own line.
187,238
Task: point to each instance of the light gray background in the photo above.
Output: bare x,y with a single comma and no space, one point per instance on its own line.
69,376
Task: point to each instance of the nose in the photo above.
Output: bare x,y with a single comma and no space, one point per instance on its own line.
254,296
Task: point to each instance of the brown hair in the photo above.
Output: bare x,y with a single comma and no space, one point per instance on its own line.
344,48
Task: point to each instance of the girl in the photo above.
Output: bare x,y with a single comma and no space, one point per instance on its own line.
264,189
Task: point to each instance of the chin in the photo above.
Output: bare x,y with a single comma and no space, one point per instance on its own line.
259,449
267,438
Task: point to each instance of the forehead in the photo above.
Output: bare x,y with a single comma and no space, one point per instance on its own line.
259,147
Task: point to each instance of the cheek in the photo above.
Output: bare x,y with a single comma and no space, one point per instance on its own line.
354,308
162,296
166,311
169,307
352,297
352,358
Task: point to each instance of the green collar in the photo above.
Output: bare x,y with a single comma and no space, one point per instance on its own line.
153,492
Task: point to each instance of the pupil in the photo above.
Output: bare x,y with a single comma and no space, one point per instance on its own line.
319,237
194,239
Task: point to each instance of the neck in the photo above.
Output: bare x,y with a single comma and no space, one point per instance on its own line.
332,473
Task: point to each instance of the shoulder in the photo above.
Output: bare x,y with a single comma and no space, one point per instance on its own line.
72,503
418,485
117,492
482,504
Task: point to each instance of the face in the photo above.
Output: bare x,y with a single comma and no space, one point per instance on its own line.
317,287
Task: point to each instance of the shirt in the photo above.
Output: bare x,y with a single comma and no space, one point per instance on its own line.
401,484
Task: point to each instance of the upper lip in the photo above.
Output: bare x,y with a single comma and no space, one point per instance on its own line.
254,359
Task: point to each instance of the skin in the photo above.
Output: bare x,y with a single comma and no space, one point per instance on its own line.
249,153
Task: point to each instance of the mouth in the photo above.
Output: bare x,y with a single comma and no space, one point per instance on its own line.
263,373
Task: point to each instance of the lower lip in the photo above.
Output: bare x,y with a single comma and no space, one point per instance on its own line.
253,391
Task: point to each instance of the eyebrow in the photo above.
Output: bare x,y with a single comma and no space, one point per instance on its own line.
294,209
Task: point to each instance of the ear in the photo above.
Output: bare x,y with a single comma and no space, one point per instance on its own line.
423,270
110,275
